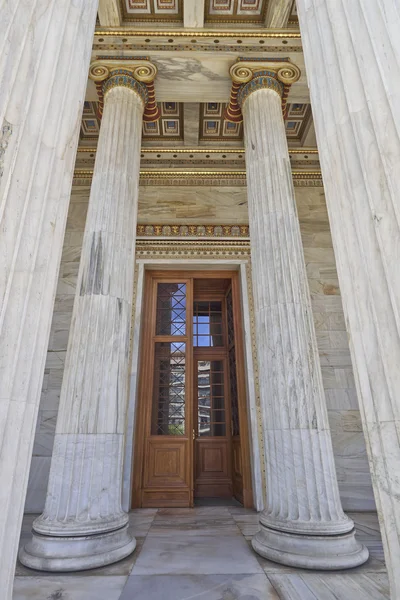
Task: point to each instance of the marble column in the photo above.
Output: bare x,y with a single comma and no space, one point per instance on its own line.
44,60
278,13
352,54
83,524
303,524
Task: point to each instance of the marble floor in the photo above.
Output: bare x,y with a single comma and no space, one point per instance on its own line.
204,554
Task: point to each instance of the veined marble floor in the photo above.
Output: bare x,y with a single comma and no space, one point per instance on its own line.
204,554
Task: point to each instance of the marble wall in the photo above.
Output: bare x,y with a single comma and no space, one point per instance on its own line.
225,205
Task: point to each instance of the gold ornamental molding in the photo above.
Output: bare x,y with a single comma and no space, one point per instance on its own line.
194,249
188,231
126,32
202,150
200,178
142,70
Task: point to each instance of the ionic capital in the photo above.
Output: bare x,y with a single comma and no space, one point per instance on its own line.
250,76
137,75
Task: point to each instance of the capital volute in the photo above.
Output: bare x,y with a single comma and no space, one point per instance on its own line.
249,76
138,75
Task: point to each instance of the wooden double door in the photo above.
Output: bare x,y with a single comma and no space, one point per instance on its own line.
191,433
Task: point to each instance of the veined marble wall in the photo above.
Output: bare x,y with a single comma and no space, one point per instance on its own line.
225,205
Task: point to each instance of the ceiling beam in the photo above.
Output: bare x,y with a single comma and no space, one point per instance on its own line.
278,13
191,118
193,13
110,13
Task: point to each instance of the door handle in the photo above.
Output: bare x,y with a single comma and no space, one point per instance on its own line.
194,434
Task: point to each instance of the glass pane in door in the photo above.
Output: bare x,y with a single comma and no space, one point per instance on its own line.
171,309
211,398
168,414
207,324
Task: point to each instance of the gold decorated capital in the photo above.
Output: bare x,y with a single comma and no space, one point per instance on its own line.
251,75
141,70
138,75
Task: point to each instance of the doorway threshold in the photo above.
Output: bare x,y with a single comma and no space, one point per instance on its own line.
210,501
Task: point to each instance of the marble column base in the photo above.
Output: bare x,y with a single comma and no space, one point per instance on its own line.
51,553
321,552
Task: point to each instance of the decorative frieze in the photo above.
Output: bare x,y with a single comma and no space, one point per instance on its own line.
192,249
213,231
200,178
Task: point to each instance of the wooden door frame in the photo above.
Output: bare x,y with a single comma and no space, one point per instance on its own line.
148,312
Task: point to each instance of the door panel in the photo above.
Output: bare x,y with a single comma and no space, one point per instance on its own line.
213,473
167,467
212,447
166,473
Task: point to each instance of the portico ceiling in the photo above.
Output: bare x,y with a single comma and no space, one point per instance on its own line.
239,12
193,79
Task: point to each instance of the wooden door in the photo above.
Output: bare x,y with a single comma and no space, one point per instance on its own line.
183,445
212,452
167,397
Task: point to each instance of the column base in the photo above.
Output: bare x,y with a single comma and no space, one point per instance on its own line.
51,553
321,552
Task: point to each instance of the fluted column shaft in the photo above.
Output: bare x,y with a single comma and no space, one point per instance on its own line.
85,484
44,59
303,509
352,54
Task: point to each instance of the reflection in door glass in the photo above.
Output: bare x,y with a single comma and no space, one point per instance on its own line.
211,400
168,415
207,324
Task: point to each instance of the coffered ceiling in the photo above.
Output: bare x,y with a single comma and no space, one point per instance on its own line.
230,11
193,84
163,11
168,128
247,12
207,124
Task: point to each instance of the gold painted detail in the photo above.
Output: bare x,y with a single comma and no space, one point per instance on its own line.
213,231
143,71
203,150
254,74
122,78
200,174
212,33
263,79
138,75
196,250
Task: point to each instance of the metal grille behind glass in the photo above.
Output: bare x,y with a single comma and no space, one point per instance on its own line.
168,416
171,309
211,398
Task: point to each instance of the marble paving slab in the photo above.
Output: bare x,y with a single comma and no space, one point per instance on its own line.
248,524
68,587
333,586
179,553
200,587
179,556
141,520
